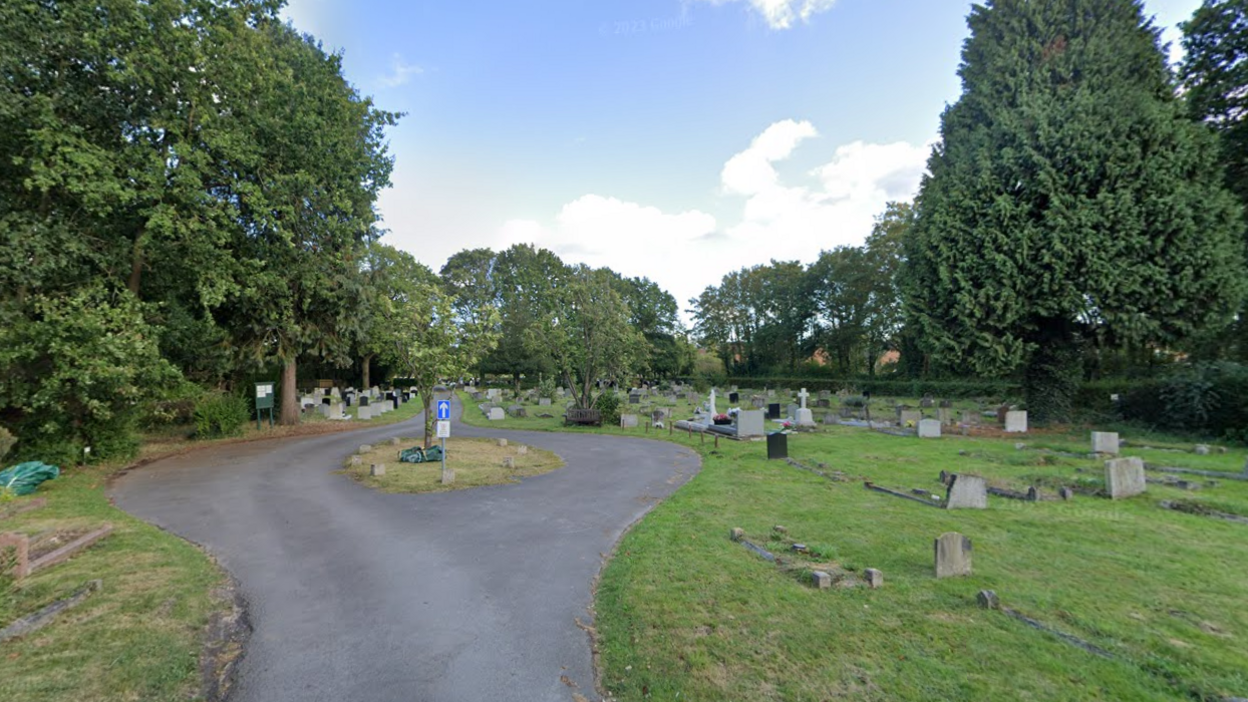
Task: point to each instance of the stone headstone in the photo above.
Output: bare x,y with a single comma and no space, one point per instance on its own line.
909,417
750,424
517,411
970,418
926,403
628,421
821,580
1201,450
874,578
378,470
791,411
953,555
364,412
543,402
805,417
967,492
929,429
634,399
1016,422
496,414
501,443
734,398
1124,477
758,401
773,410
1105,442
945,416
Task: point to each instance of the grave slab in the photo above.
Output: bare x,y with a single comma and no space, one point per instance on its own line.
953,555
1105,442
967,492
1124,477
929,429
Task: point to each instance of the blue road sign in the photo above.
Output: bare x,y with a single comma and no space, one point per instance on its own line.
444,409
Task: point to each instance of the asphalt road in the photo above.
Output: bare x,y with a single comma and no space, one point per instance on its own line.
356,595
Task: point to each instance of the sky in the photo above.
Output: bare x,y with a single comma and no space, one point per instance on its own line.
678,140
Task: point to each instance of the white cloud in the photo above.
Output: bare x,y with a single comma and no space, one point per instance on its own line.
400,73
750,171
791,217
781,14
797,221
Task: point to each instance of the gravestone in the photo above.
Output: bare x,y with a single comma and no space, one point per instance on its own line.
750,424
777,446
758,401
634,399
953,555
496,414
1124,477
945,416
628,421
734,398
970,418
929,429
804,417
821,580
1105,442
926,403
874,578
823,402
364,412
909,417
1016,422
378,470
773,410
790,411
1001,412
967,492
543,402
517,411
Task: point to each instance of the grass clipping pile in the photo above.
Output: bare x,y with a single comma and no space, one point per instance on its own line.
476,462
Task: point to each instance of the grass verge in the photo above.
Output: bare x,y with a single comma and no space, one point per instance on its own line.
684,613
142,635
476,462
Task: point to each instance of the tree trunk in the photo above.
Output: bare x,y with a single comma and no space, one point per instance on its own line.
290,401
368,362
1053,373
426,401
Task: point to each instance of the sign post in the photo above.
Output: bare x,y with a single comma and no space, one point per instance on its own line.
444,429
264,400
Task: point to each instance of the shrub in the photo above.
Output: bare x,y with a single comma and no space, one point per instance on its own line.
1210,399
609,405
6,441
220,414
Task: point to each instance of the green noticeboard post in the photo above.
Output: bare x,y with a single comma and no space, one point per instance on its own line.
264,401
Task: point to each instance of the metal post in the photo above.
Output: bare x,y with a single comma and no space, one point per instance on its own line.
444,458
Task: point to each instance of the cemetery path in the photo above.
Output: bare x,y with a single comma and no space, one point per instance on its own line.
360,595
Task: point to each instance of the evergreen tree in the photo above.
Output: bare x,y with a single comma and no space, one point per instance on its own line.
1070,198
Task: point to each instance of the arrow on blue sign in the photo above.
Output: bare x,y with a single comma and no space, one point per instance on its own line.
444,409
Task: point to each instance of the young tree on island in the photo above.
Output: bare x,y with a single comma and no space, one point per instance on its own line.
418,332
1070,198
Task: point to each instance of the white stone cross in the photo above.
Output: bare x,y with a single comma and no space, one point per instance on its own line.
803,395
710,403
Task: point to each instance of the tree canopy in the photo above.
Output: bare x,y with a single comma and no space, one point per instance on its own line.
1069,198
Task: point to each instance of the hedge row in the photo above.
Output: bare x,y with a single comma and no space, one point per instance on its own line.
887,388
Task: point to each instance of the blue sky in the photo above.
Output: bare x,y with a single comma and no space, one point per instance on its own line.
673,139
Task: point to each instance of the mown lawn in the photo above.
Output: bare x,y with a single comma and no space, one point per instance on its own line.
141,636
684,613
